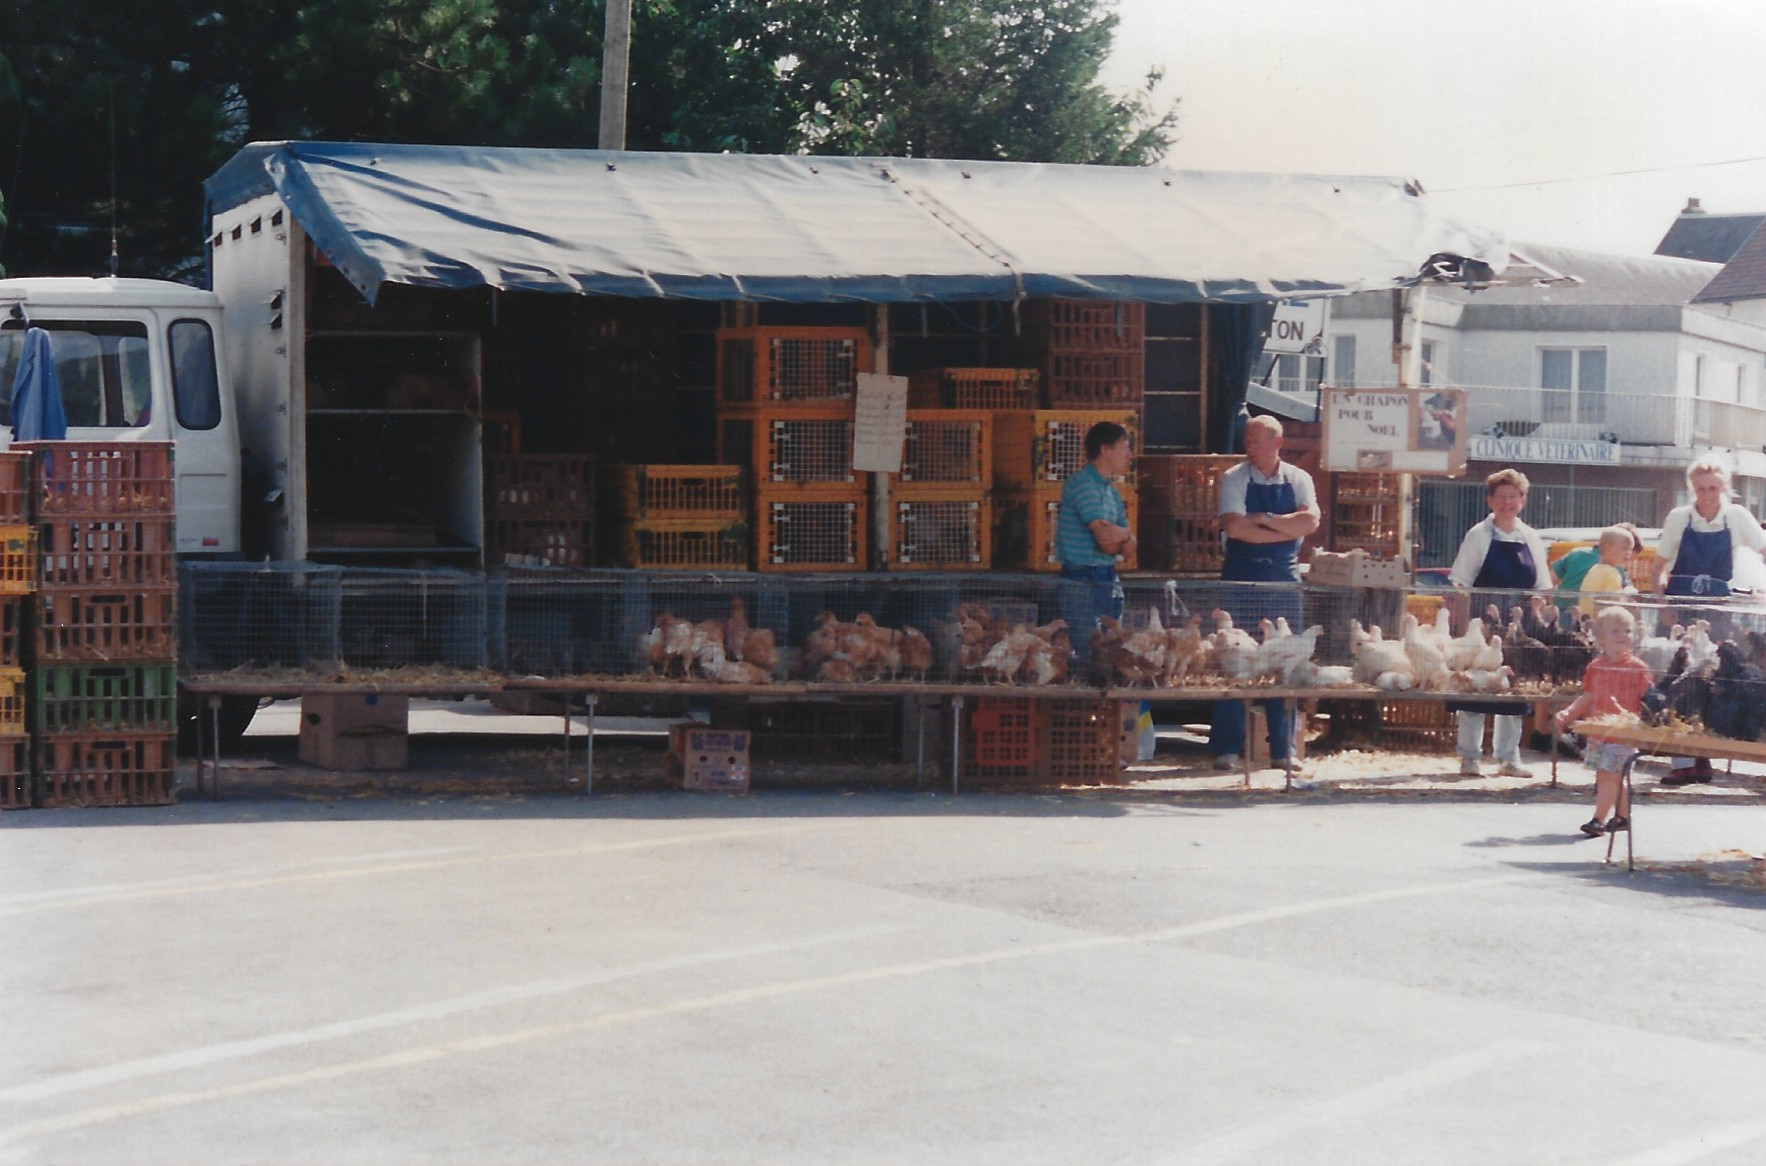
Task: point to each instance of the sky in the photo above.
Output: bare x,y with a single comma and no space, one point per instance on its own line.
1577,123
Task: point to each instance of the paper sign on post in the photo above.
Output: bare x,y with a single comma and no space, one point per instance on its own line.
880,423
1420,431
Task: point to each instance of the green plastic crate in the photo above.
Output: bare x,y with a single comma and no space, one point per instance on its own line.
80,698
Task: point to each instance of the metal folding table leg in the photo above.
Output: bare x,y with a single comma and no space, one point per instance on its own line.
214,725
589,748
1630,816
956,741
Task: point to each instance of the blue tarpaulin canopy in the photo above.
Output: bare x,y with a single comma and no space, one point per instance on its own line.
819,229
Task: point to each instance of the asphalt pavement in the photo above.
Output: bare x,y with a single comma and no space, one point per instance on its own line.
1149,974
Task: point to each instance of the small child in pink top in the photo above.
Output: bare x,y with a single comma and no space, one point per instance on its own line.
1614,682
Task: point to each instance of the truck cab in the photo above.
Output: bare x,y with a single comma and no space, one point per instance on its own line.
139,360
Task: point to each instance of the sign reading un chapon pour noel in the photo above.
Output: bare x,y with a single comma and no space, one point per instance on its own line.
1562,450
1418,431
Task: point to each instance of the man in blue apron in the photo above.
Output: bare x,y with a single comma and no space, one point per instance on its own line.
1499,554
1266,508
1698,561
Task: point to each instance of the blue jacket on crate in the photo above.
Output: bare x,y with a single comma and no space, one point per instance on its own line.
1267,508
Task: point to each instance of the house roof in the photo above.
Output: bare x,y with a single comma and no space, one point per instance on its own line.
812,229
1742,278
1713,238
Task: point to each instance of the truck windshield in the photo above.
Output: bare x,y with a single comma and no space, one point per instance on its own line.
102,365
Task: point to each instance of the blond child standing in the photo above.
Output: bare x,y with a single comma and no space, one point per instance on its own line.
1615,681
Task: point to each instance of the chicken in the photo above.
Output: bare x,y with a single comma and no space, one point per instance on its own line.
1489,657
736,630
1428,661
677,647
1657,651
1186,650
1734,708
1570,648
1279,653
761,649
835,670
1700,649
1234,648
738,672
1006,657
1143,652
1684,690
1462,650
916,653
1530,659
822,643
651,645
706,646
1307,674
1375,656
1486,680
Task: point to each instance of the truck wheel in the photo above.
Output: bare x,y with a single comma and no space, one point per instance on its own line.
194,717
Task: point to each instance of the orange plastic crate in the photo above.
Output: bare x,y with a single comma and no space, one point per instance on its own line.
685,545
118,550
774,366
700,493
105,769
1002,732
1040,446
810,445
82,625
15,772
1093,380
15,486
1079,742
810,530
101,477
951,531
1088,325
946,447
18,559
974,388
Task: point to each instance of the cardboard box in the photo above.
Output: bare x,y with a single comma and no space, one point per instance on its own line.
1257,733
355,730
1357,569
709,759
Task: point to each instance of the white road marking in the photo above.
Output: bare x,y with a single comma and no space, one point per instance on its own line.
133,894
1240,1143
97,1115
1697,1147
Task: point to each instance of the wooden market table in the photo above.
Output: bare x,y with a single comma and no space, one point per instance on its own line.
1658,742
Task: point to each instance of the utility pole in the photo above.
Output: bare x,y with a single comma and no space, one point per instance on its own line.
616,55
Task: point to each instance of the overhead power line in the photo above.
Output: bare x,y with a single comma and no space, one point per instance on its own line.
1592,177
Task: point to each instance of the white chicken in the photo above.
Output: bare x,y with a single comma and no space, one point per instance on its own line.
1460,651
1375,656
1279,653
1658,651
1234,648
1307,674
1428,662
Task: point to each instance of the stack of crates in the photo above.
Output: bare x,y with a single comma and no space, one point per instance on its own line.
539,509
679,517
785,413
974,388
103,667
1366,510
18,578
1093,352
940,509
1035,451
1180,512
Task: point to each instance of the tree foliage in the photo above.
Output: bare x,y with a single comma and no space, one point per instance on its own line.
153,97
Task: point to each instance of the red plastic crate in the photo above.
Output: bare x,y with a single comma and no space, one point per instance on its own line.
1088,325
82,625
1002,731
12,623
525,486
115,551
105,769
15,485
1089,380
101,477
1079,742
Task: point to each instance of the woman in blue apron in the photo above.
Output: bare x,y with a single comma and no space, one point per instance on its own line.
1499,554
1698,562
1262,546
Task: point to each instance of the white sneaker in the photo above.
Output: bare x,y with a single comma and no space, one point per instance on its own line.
1469,768
1227,761
1510,769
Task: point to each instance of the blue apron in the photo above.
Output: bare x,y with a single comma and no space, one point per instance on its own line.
1506,564
1704,563
1260,563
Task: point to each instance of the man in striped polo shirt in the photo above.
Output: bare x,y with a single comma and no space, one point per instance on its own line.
1092,528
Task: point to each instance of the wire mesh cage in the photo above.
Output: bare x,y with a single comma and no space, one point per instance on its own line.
804,531
396,618
705,627
952,532
260,616
946,448
550,622
765,365
864,627
1011,629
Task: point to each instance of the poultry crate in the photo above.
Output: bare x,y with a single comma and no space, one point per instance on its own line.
804,529
1079,742
83,698
1038,447
12,622
1187,485
951,531
1024,529
15,772
685,545
1179,544
100,477
18,559
974,388
946,448
1002,736
106,551
15,487
807,446
1095,380
1425,725
80,625
1086,325
552,542
104,769
775,366
526,486
698,493
1366,510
